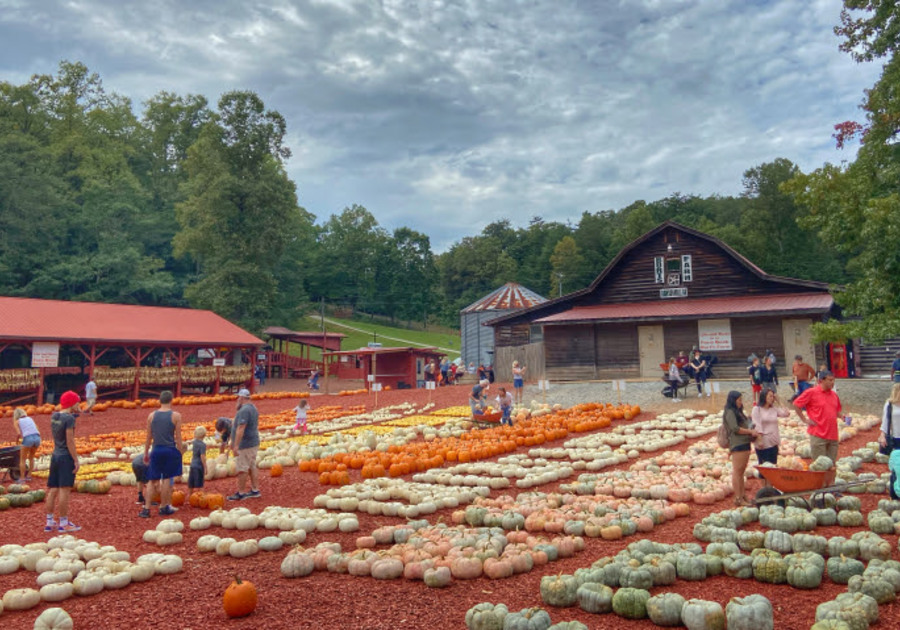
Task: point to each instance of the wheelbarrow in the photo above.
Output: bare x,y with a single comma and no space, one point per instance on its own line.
810,486
487,420
9,462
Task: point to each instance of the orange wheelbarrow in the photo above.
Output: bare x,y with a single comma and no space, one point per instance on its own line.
785,483
487,420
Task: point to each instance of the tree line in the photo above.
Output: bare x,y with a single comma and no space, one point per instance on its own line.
189,204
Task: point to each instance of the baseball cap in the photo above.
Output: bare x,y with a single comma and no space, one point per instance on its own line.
243,393
69,399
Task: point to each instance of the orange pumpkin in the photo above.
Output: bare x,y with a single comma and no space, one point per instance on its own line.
178,498
214,501
276,471
240,598
196,499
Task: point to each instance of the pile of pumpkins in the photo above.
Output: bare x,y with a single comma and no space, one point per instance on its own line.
93,486
20,495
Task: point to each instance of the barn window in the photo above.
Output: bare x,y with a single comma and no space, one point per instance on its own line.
536,333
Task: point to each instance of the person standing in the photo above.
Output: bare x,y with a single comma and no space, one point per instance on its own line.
673,379
90,394
754,370
505,402
765,420
518,372
477,397
890,420
445,371
822,406
698,365
895,368
164,460
245,445
767,374
197,471
64,465
802,374
27,432
740,434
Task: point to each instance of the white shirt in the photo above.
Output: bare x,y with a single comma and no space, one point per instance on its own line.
90,390
895,413
27,426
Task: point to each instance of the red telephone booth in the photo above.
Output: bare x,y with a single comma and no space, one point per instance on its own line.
837,355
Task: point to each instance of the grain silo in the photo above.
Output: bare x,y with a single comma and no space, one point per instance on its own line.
477,339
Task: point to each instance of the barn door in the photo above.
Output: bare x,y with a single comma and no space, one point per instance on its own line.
650,345
797,340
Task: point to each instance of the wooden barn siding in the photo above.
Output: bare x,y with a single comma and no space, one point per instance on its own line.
531,355
715,273
617,351
569,353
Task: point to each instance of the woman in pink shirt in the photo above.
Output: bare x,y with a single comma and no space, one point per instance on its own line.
765,420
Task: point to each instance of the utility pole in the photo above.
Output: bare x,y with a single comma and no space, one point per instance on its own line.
324,343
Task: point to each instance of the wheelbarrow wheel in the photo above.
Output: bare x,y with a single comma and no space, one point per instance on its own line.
764,494
14,473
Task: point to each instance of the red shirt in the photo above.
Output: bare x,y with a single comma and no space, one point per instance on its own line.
822,408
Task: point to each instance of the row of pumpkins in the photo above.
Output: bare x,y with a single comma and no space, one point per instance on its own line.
19,495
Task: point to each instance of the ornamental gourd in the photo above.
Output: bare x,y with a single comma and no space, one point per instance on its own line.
753,612
297,564
700,613
527,619
878,589
855,609
738,566
56,592
769,566
690,567
437,577
842,568
665,609
21,599
486,616
804,571
631,603
239,599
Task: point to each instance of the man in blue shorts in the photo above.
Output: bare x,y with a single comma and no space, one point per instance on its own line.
164,461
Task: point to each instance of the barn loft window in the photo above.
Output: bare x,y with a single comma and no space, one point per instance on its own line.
536,333
673,270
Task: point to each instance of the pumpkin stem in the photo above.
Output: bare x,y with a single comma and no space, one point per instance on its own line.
237,580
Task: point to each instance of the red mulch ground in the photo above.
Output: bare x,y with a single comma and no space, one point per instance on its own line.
192,598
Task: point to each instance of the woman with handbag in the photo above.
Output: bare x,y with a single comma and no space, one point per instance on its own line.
889,438
740,435
765,417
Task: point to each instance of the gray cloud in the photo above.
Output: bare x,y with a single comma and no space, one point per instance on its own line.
446,115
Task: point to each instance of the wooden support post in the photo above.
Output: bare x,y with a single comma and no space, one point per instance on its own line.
180,366
252,387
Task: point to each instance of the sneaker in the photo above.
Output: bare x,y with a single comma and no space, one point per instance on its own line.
68,528
167,510
699,394
28,479
237,496
253,494
676,400
145,513
140,500
50,527
708,394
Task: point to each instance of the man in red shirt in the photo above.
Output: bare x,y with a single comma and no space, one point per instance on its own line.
822,407
803,374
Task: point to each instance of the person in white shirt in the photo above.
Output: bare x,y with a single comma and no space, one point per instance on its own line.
27,432
90,395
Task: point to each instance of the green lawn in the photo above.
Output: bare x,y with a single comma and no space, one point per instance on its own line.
359,334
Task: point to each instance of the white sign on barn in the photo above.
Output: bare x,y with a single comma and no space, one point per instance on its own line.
44,354
715,334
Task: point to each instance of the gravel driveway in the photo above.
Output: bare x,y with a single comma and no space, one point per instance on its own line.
857,395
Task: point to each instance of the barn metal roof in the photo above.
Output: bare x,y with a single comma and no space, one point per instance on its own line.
510,296
280,332
29,319
676,308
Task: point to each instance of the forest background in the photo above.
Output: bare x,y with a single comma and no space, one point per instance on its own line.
184,203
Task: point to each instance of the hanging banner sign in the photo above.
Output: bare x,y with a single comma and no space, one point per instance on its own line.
44,354
715,334
219,362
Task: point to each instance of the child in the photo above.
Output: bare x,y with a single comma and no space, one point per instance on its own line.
505,402
301,410
755,373
223,435
140,474
197,472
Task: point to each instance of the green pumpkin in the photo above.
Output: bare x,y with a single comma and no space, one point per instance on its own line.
568,625
4,504
872,546
804,571
880,522
884,572
738,566
700,613
713,564
611,572
18,488
878,589
690,567
830,624
769,566
722,549
636,575
2,490
748,540
631,603
840,546
665,609
789,524
888,505
38,495
779,541
559,590
849,503
842,568
594,598
486,616
527,619
753,612
809,542
661,571
825,517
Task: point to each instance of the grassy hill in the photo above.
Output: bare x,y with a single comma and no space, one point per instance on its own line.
359,334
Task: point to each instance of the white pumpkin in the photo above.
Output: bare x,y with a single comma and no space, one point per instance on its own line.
169,564
8,564
151,536
243,549
53,619
294,537
297,564
117,556
116,580
169,538
29,559
54,577
170,525
150,558
208,542
200,523
217,516
247,521
56,592
224,545
21,599
271,543
87,583
141,571
46,563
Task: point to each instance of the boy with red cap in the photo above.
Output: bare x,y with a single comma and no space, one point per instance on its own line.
63,464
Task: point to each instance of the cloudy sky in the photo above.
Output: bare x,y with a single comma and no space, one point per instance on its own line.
446,115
